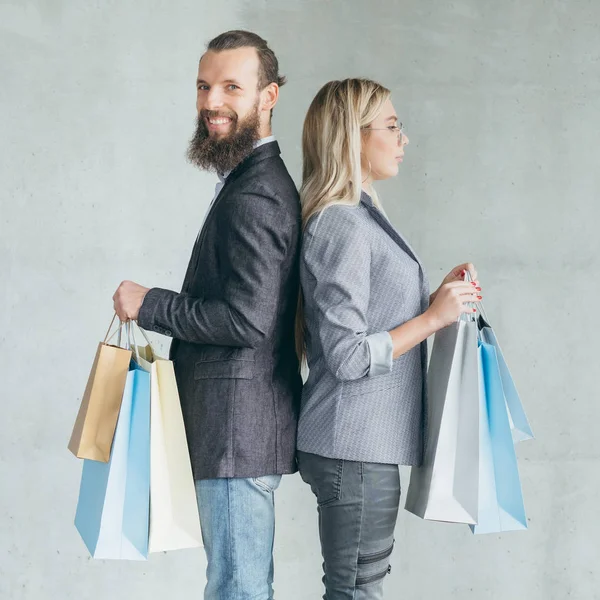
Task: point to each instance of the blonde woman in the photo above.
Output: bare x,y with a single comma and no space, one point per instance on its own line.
365,315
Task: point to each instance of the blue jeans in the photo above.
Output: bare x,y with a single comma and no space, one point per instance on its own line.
238,527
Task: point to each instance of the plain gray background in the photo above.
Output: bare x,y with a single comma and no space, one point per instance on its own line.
502,107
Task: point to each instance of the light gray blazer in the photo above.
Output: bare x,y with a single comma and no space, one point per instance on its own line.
360,279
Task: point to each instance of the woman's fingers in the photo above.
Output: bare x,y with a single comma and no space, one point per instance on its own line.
470,298
468,309
464,287
462,269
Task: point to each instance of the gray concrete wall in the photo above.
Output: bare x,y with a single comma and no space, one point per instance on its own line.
501,102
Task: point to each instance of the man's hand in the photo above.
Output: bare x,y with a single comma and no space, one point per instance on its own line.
128,300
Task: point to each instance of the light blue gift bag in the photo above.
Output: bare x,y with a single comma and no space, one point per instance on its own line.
114,498
501,505
521,430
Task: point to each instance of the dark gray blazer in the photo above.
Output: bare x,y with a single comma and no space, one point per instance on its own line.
360,279
233,325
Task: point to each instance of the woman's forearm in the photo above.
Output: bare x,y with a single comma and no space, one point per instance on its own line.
413,332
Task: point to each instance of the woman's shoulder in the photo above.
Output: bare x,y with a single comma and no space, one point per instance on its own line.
341,218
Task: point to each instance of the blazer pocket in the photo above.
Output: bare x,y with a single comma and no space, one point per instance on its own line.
224,369
369,385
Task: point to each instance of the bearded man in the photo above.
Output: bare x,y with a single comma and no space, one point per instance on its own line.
233,322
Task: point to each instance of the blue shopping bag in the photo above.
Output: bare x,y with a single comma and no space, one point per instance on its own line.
501,505
114,498
519,424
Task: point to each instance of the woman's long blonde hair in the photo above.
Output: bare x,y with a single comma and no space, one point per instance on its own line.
331,149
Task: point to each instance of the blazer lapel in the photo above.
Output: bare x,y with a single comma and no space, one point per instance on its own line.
260,153
265,151
391,231
388,227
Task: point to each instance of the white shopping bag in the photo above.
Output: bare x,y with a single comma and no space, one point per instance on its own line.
174,518
445,487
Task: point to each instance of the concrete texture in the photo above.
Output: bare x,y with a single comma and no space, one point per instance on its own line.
502,107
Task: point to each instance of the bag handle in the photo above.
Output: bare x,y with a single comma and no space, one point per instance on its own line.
128,335
118,330
131,341
144,334
129,331
130,323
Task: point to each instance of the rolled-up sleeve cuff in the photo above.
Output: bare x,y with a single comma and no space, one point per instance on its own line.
381,349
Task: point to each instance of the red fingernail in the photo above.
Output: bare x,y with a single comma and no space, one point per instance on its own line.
478,289
473,283
474,310
479,297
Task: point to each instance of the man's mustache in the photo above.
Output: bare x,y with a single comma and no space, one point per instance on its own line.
215,114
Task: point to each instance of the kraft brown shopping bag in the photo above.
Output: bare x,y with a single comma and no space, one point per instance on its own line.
96,421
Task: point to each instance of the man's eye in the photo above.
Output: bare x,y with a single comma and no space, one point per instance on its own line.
232,87
202,88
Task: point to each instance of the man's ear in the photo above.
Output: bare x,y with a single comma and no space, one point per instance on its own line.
270,95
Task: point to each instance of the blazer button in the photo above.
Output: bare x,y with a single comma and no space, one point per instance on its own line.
168,332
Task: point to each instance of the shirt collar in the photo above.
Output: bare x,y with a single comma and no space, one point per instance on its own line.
265,140
257,144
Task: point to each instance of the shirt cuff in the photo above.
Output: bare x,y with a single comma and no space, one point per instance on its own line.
382,352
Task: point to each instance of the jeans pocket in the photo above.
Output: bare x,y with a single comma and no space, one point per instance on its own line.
324,475
267,483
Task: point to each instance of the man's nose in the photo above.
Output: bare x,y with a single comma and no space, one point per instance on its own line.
213,100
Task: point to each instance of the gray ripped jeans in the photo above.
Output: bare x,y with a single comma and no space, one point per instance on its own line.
358,507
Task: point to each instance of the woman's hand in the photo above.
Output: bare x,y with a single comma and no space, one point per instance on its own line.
446,304
451,301
457,274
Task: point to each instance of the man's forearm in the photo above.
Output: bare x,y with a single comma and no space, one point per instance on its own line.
198,321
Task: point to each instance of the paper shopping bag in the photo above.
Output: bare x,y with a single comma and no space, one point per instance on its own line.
500,506
113,508
445,487
174,519
519,424
94,427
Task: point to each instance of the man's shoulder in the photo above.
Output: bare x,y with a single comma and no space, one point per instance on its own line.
268,179
269,174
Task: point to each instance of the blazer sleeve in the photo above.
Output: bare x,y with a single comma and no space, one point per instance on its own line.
256,234
337,257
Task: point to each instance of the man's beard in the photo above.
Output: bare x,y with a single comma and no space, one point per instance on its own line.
223,154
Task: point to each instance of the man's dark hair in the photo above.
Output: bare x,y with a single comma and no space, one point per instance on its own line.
268,71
